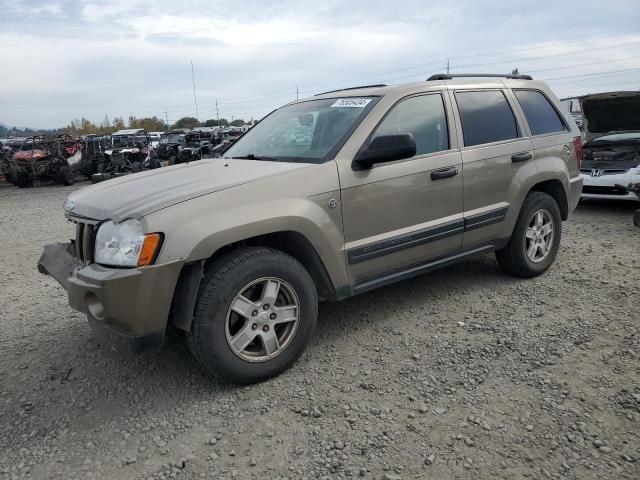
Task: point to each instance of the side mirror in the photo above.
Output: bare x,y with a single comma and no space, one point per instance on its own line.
385,148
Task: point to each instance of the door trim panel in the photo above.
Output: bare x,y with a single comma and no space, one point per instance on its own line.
481,219
401,242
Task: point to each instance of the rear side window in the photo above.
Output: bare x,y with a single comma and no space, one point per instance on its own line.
541,116
423,117
486,117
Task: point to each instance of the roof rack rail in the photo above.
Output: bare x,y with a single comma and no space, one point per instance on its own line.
352,88
450,76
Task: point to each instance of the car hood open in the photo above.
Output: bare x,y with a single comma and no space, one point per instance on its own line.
139,194
611,112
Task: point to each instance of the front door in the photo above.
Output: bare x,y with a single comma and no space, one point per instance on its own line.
405,212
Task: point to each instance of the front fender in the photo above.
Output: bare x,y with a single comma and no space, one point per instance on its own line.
196,229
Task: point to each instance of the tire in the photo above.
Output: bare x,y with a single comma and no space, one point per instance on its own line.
22,178
66,176
211,333
636,218
513,258
136,167
172,160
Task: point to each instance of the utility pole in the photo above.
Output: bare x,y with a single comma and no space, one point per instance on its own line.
195,99
448,67
166,117
217,113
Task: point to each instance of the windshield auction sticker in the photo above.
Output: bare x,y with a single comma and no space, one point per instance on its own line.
351,103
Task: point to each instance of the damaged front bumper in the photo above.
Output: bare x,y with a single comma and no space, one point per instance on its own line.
127,308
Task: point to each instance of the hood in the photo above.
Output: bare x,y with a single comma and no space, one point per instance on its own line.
612,112
134,196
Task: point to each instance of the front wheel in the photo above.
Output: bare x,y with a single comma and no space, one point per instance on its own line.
256,311
535,239
66,176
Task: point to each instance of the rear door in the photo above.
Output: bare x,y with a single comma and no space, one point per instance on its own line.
495,151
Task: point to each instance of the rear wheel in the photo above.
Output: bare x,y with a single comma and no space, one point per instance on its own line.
21,178
256,311
535,239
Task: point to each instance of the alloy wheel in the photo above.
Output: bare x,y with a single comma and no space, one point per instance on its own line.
262,319
539,236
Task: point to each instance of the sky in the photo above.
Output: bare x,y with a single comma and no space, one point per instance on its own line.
67,59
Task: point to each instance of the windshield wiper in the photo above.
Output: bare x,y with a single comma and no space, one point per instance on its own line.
251,156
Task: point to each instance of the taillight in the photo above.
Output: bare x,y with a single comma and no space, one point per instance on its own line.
577,145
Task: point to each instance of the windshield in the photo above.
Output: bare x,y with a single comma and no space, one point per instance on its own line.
306,132
121,140
171,138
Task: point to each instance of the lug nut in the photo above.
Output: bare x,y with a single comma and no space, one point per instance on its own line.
273,316
254,326
265,328
265,306
254,313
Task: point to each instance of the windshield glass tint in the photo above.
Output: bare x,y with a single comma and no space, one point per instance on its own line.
303,132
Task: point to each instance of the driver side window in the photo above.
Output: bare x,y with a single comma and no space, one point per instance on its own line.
423,117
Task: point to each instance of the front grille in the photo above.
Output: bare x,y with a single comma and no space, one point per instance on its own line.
605,171
84,242
596,190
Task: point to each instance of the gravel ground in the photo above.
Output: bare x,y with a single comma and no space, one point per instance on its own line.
461,373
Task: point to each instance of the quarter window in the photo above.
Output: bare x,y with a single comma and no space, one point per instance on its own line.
486,117
423,117
541,116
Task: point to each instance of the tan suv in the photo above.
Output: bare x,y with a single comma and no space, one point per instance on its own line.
325,198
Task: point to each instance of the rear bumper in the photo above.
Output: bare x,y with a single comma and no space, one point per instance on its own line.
127,308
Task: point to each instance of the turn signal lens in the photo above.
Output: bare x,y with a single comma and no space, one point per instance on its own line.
149,249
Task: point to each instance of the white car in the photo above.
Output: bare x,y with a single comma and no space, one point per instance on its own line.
611,153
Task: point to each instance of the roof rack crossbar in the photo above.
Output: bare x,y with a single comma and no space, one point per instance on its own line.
450,76
379,85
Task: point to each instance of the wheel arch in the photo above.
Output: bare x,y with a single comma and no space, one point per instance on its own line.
556,190
290,242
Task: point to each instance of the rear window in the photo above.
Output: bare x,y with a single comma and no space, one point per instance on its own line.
486,117
541,116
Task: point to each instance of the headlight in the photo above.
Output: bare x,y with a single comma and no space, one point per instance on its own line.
124,245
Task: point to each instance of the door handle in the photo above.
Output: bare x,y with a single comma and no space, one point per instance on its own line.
521,157
444,173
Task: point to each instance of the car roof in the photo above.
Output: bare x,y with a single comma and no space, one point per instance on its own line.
436,84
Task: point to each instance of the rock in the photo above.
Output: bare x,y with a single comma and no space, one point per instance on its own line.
130,460
469,442
605,449
430,459
440,410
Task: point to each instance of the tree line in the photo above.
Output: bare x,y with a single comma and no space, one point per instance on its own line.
84,126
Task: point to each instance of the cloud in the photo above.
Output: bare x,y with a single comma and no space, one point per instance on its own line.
90,58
